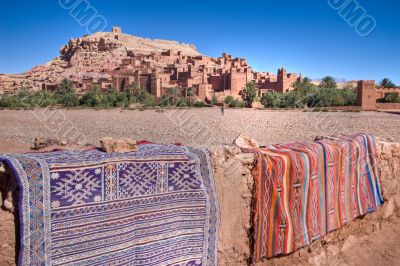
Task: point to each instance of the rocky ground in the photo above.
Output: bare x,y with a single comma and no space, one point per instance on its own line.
200,127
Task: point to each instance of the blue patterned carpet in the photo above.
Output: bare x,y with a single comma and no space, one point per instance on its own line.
156,206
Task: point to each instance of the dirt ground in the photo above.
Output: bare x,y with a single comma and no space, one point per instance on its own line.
199,127
369,241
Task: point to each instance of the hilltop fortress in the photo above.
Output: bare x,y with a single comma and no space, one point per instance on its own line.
116,60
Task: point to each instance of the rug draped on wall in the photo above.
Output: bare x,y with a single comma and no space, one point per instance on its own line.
306,190
155,206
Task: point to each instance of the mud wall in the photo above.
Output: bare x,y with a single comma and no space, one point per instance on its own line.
234,189
234,185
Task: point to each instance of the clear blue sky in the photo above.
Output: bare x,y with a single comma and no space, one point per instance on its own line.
307,36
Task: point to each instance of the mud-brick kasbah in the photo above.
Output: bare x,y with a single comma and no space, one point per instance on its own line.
117,60
159,71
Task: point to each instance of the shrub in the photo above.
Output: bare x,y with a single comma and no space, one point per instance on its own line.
391,97
237,104
312,97
28,99
349,96
271,100
228,99
326,97
165,101
69,100
291,99
66,86
147,99
181,102
214,100
91,99
199,104
135,90
115,98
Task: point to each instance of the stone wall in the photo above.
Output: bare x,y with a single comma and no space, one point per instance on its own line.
388,106
368,94
234,185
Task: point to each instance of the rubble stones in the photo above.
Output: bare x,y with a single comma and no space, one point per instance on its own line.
110,145
42,143
246,142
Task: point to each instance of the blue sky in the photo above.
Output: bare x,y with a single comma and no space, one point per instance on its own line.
307,37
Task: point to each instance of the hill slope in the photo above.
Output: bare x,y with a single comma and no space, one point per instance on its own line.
90,56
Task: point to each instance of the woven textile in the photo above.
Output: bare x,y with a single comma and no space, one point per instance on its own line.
156,206
306,190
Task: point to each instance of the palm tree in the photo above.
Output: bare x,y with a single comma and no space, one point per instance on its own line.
64,87
306,81
174,93
297,85
190,93
135,89
302,85
328,82
249,93
386,83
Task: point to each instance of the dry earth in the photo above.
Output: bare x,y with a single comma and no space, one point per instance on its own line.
373,240
200,127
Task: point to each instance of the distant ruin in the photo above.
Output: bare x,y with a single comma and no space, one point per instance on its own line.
368,94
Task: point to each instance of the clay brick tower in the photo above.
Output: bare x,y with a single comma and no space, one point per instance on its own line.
282,80
366,95
116,30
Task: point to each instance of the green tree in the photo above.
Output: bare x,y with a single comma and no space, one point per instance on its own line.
228,99
249,93
328,82
181,102
292,99
135,90
190,94
173,92
92,98
386,83
349,96
70,100
392,97
271,100
297,85
64,87
306,81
